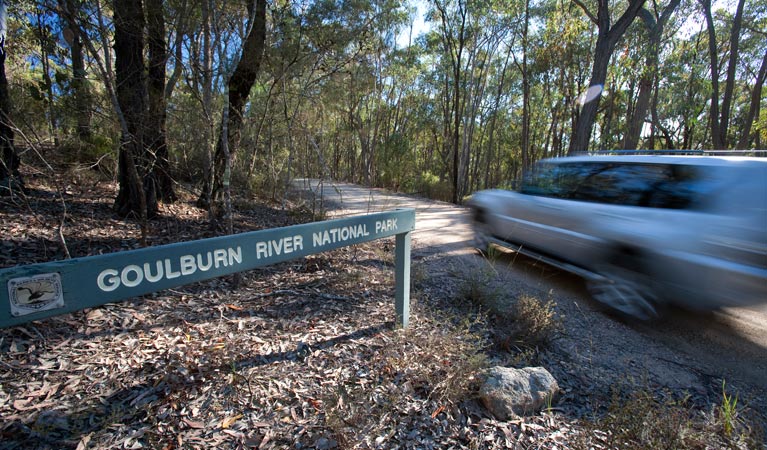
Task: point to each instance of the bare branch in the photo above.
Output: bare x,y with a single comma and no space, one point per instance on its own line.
591,16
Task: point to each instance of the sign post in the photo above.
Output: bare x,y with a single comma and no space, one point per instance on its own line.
402,279
37,291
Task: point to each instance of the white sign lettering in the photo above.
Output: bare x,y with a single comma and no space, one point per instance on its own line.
136,274
133,275
286,245
383,226
333,235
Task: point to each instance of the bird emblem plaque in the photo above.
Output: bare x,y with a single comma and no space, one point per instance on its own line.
35,293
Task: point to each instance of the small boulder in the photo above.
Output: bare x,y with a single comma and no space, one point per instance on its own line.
508,392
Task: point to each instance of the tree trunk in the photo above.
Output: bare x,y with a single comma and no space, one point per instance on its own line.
239,89
489,180
729,85
80,88
207,105
588,114
137,194
157,143
526,160
650,71
10,178
714,58
180,29
44,40
753,110
455,51
638,114
607,38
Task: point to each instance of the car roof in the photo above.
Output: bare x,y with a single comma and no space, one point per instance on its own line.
665,159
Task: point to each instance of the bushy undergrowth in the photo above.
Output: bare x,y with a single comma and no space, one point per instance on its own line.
519,324
98,153
430,186
477,288
531,323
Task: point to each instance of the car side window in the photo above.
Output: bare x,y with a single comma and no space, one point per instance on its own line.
542,181
557,180
685,188
623,184
668,186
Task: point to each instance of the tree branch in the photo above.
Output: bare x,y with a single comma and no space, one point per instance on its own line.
591,16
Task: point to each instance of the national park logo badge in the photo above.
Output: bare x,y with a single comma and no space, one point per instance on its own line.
33,294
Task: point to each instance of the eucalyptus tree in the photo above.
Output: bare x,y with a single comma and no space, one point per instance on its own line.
719,115
43,31
654,20
746,136
734,28
453,18
337,93
679,105
372,89
156,141
203,37
366,101
239,85
523,67
753,67
405,119
608,35
499,88
137,194
470,35
489,29
562,58
10,178
434,85
81,90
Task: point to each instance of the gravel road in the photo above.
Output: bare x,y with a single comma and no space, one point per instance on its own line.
683,352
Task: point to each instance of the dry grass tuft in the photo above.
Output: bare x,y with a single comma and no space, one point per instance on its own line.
478,288
531,323
520,324
640,419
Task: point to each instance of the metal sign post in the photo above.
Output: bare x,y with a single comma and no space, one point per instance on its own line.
37,291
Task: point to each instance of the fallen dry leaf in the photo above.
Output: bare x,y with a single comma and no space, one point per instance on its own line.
194,424
229,421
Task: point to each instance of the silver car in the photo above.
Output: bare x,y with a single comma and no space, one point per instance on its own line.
644,231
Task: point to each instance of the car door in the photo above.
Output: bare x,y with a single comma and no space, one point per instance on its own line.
718,256
544,217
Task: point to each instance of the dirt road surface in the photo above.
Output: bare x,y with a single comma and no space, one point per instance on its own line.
683,353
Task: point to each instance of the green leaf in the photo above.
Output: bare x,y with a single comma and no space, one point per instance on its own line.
35,93
61,77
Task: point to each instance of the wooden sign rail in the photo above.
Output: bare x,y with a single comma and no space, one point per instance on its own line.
37,291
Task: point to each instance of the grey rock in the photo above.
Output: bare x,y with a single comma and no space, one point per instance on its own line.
508,392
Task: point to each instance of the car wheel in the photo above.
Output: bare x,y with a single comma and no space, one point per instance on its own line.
481,233
625,288
481,239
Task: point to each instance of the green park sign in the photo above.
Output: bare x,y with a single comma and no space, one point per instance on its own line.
37,291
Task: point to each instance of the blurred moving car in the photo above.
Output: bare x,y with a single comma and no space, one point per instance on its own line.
644,231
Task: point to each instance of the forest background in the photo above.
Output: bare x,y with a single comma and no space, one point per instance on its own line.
440,98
